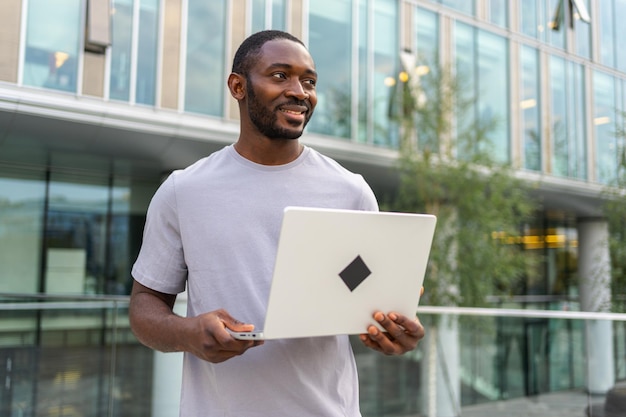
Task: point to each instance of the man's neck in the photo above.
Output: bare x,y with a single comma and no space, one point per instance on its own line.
271,151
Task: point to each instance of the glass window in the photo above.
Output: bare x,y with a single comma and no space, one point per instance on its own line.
530,122
558,117
258,15
482,64
365,125
121,49
330,44
620,33
567,116
279,14
556,15
529,18
582,33
75,235
427,36
606,29
385,50
539,17
87,239
499,12
205,80
147,51
604,121
52,48
465,61
427,40
22,196
268,14
493,91
465,6
577,121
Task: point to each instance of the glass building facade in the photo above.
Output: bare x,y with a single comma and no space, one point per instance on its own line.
86,137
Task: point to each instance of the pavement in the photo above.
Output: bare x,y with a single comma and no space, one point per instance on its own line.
559,404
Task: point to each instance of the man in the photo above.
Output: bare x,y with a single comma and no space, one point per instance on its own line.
213,229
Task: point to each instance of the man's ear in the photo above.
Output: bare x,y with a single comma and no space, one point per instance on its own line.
237,86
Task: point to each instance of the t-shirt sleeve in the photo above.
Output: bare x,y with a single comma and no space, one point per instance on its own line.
161,263
368,198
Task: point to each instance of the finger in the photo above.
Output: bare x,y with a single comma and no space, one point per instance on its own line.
388,323
411,326
381,341
232,323
403,334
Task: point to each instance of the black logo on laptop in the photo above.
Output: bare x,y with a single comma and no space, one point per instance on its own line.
355,273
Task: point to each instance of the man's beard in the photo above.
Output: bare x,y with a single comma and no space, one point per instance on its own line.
266,121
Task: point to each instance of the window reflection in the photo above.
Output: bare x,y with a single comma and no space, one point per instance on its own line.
378,48
69,233
121,49
499,12
122,59
52,47
427,40
21,215
330,44
558,115
556,38
493,91
482,64
385,49
529,18
606,29
620,33
268,14
76,230
611,31
582,32
465,6
567,119
365,125
529,108
204,75
147,52
605,126
258,14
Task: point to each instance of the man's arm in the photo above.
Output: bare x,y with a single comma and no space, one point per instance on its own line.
155,324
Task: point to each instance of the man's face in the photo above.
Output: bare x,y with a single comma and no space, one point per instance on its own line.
281,90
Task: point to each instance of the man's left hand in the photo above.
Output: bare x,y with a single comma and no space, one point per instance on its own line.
401,334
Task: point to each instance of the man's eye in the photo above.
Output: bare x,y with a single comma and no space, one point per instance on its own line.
279,75
311,82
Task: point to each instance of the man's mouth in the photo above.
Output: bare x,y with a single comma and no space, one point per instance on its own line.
294,112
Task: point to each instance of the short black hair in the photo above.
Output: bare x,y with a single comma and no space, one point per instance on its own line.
249,50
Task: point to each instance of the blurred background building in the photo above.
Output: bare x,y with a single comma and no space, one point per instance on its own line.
101,99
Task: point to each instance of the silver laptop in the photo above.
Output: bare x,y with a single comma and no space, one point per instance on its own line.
335,268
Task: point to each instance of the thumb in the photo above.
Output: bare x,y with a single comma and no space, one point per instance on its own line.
234,324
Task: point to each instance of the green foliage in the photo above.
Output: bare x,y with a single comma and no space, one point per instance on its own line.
447,169
615,212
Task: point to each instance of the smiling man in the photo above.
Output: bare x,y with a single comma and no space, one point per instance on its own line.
213,229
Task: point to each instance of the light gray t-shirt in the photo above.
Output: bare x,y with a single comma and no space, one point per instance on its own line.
213,228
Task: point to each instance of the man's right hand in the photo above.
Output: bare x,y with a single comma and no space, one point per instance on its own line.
155,324
208,338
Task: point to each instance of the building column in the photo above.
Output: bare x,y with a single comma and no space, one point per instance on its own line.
168,374
594,272
442,393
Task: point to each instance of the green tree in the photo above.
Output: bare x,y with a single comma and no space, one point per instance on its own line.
447,169
615,212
